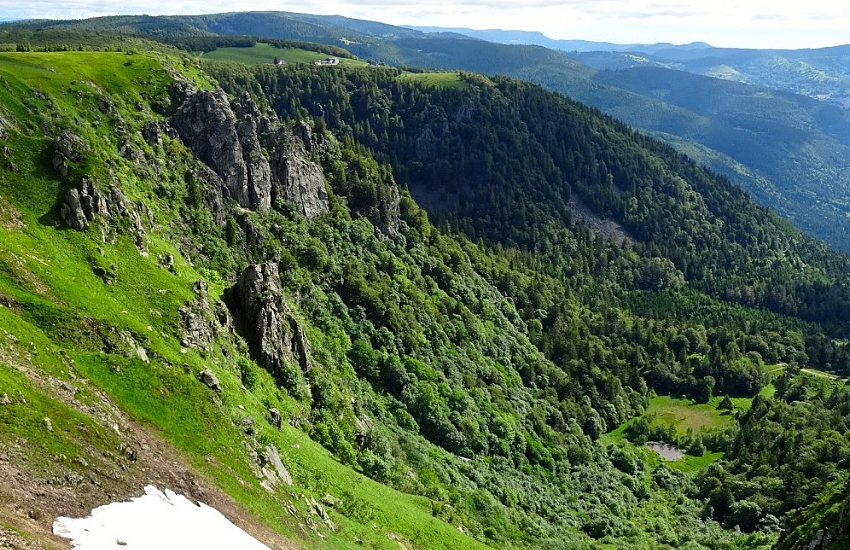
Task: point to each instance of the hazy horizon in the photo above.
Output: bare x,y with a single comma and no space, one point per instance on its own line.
724,23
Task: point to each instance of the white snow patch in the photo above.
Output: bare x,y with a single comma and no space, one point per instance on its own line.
155,521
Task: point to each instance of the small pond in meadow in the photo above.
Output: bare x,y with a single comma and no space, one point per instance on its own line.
667,451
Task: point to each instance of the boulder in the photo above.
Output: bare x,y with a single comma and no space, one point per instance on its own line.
210,380
276,418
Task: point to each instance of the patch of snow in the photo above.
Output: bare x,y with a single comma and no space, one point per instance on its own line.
155,521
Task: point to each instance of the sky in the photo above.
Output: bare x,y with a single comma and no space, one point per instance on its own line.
724,23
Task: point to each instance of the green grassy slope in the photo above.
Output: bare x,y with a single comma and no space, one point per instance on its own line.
266,53
55,311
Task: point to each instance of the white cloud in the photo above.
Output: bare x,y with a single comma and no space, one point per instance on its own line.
757,23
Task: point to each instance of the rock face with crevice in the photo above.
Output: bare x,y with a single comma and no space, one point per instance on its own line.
299,181
207,125
232,140
264,319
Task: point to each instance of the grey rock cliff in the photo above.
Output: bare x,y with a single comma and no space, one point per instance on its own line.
298,180
230,140
208,126
262,316
259,172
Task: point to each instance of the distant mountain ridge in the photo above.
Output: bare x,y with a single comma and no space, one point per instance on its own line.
790,152
537,38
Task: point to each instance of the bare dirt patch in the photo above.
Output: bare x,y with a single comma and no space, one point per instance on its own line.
10,218
607,229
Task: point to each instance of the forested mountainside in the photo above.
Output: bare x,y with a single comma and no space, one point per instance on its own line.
368,307
819,73
788,151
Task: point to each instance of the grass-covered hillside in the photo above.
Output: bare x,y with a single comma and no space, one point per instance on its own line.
262,53
238,297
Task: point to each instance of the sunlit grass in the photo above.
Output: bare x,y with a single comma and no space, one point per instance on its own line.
262,53
437,80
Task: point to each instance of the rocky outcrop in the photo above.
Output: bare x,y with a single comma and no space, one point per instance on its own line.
201,324
302,131
298,180
208,126
210,380
253,234
209,184
87,202
837,529
197,325
82,205
66,146
123,342
259,172
154,130
5,124
269,468
230,140
250,125
391,210
831,518
134,155
263,317
273,459
426,144
72,211
245,107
